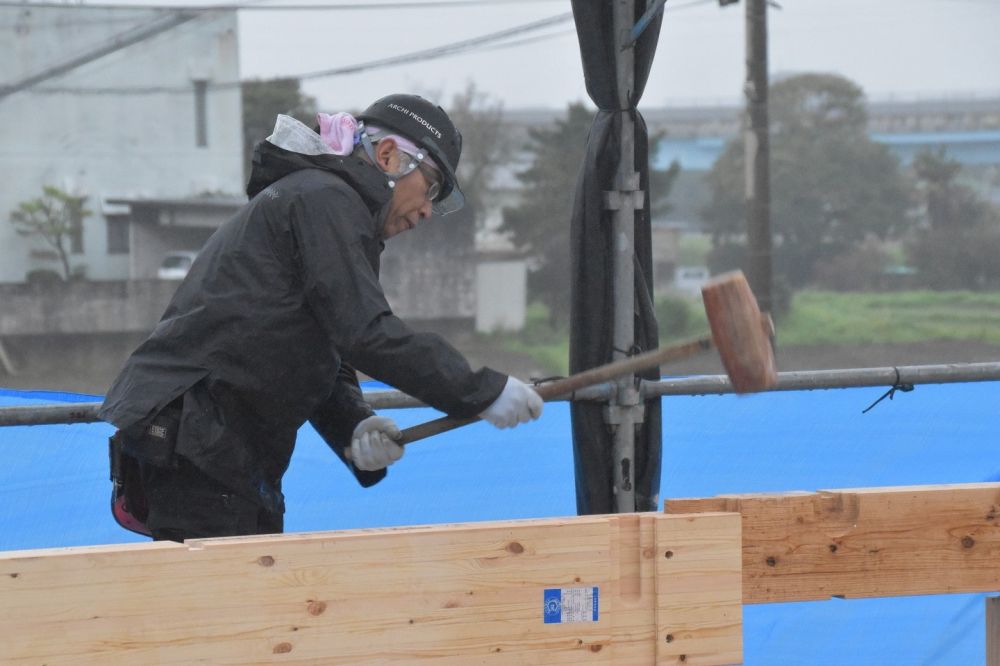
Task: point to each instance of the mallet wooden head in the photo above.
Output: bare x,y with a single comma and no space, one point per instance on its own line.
740,333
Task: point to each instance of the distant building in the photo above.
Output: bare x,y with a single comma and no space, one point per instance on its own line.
134,109
140,111
501,268
970,148
968,130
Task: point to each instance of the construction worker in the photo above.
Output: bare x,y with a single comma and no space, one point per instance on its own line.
279,307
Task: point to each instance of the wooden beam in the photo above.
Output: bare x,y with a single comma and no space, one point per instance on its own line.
868,542
634,589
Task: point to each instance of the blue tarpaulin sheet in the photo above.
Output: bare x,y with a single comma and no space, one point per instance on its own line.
54,491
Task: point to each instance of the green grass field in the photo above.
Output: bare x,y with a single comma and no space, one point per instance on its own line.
815,318
819,317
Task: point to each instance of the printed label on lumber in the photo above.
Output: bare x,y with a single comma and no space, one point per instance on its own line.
570,604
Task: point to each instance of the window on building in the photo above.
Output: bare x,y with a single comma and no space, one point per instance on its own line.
118,234
75,231
201,113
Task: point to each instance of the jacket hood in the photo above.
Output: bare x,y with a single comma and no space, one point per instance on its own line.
271,163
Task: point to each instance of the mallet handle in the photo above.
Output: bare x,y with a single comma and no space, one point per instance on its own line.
561,387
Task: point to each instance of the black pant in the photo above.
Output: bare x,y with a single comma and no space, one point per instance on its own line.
185,503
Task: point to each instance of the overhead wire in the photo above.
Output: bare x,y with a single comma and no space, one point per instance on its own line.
489,42
463,46
254,6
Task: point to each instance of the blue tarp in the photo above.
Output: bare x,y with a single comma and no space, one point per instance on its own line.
54,490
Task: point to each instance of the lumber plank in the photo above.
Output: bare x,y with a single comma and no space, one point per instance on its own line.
864,542
447,594
698,590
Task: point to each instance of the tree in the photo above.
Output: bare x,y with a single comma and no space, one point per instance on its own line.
55,216
485,146
540,224
263,100
958,242
832,187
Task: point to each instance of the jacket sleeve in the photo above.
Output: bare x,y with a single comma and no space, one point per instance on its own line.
331,229
336,418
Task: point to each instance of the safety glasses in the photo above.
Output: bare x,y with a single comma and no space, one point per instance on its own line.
434,179
442,191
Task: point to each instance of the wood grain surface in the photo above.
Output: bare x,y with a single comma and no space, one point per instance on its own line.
867,542
450,594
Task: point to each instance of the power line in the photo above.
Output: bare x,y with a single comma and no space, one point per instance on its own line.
529,40
488,42
105,20
440,51
455,48
134,35
354,6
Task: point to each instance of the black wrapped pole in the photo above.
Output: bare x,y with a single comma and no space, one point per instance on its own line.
616,446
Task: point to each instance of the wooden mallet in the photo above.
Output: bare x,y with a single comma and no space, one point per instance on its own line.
740,333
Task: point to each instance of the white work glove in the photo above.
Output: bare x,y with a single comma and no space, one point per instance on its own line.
518,403
372,445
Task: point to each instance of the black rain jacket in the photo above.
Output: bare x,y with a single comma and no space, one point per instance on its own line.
279,307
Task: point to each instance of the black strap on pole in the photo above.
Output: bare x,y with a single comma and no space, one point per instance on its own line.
896,386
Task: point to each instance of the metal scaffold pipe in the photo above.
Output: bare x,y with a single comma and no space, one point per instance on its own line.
86,412
624,411
805,380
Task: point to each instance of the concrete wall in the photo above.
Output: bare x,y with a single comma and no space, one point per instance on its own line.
429,272
134,306
83,133
75,336
83,307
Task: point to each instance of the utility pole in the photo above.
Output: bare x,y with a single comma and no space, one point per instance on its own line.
757,145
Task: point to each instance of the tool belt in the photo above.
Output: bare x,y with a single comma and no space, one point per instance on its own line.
153,445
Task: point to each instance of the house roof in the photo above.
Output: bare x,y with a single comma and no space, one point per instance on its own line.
54,491
227,202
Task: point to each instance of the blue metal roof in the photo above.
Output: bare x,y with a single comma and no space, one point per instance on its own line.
977,136
971,148
54,492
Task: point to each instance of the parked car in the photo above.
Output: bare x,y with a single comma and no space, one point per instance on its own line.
175,265
689,279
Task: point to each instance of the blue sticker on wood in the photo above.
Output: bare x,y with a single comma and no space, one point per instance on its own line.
570,604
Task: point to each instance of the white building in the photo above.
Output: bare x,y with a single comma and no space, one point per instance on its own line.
139,111
136,109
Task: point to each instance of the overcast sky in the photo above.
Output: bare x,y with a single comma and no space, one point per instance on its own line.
903,48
